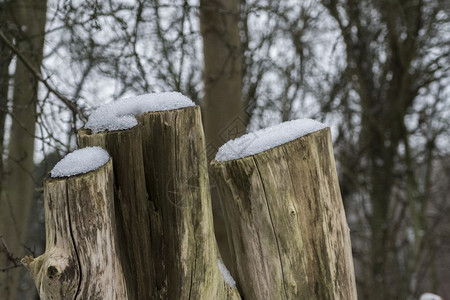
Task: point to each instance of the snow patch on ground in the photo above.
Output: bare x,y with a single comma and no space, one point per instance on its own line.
267,138
430,296
226,274
80,161
119,115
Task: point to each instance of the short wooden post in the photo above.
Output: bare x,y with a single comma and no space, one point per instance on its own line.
131,205
80,260
182,226
286,223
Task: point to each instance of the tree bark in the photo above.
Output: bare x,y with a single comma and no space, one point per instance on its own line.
15,202
177,181
224,118
222,76
5,60
81,259
286,222
133,224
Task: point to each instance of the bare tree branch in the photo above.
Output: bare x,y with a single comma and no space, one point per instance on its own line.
70,104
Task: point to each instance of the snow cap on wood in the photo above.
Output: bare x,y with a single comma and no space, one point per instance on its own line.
120,115
80,161
264,139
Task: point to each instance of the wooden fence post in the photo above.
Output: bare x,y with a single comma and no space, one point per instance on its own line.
80,260
131,206
286,223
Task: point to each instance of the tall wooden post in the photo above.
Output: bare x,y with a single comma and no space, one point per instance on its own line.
286,223
131,206
81,258
182,227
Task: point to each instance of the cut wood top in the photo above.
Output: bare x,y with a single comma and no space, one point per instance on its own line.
119,115
80,161
267,138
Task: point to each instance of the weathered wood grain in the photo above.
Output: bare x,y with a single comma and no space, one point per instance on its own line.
182,227
81,257
171,246
131,206
286,223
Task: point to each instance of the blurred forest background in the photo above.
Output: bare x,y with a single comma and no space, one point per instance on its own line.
376,71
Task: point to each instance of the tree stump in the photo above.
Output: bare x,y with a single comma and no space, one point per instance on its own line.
131,206
286,222
182,226
81,259
171,246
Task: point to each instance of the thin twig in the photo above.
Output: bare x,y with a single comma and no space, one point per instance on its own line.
9,256
37,74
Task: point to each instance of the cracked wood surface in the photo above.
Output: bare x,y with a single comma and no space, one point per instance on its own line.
182,226
286,223
164,157
81,258
131,206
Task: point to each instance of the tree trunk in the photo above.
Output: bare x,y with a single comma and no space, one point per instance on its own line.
15,202
5,60
177,181
286,222
223,115
223,112
131,206
80,260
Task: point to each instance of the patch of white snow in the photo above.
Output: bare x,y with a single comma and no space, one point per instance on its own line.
226,274
267,138
119,115
430,296
80,161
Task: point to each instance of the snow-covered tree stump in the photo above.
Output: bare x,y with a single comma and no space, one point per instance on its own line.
81,259
131,206
284,214
140,226
185,259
